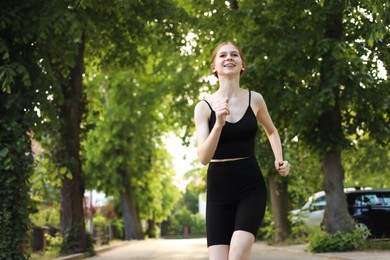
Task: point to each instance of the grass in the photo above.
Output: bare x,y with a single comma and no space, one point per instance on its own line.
43,256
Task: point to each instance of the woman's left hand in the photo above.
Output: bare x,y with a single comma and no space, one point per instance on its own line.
283,167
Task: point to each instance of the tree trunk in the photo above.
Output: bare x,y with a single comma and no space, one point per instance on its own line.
336,210
152,228
280,205
131,219
72,191
330,130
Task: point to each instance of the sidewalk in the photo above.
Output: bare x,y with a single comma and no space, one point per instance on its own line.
352,255
196,248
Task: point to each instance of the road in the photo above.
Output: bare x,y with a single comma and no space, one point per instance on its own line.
174,249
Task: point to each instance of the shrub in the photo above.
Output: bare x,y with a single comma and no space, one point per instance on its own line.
340,241
46,216
267,228
117,228
54,244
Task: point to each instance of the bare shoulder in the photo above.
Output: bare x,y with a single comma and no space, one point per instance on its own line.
257,101
202,109
201,106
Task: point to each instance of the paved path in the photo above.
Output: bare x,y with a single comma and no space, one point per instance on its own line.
188,249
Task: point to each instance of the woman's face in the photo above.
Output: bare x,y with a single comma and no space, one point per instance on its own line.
227,61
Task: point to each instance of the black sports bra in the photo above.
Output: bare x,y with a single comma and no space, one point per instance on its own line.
237,139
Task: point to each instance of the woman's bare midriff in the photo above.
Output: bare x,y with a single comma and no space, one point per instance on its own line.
228,160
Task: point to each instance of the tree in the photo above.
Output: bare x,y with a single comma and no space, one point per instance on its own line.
89,21
117,148
63,56
157,193
312,59
24,80
123,146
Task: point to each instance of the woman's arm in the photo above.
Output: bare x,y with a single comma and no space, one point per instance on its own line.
262,114
207,141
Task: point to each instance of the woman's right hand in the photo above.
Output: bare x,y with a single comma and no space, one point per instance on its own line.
221,109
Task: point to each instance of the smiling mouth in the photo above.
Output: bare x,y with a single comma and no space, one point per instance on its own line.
229,65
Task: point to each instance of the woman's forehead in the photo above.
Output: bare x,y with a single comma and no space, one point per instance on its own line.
228,48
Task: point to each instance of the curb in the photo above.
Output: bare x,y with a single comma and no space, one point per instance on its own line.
301,249
348,255
78,256
98,251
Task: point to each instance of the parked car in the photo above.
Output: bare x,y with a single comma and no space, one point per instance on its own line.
369,208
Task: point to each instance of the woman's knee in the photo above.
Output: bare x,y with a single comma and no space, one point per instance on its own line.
241,245
218,252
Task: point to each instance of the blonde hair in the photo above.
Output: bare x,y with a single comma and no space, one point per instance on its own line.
215,52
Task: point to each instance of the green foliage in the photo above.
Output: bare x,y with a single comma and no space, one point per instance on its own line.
299,232
171,227
46,215
90,250
157,193
365,157
15,165
190,198
153,233
71,238
307,176
18,74
267,228
15,168
26,81
54,243
183,216
198,225
340,241
69,242
99,222
126,121
46,178
117,228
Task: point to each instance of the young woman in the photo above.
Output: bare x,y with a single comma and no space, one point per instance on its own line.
226,125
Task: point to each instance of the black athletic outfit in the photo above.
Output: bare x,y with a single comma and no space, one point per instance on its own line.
236,191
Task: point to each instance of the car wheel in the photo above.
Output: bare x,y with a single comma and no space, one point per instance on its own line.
366,229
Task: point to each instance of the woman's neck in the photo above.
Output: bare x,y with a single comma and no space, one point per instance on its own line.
229,87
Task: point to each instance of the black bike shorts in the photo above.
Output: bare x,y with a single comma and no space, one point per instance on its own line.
236,199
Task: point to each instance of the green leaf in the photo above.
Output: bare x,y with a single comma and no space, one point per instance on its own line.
3,152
